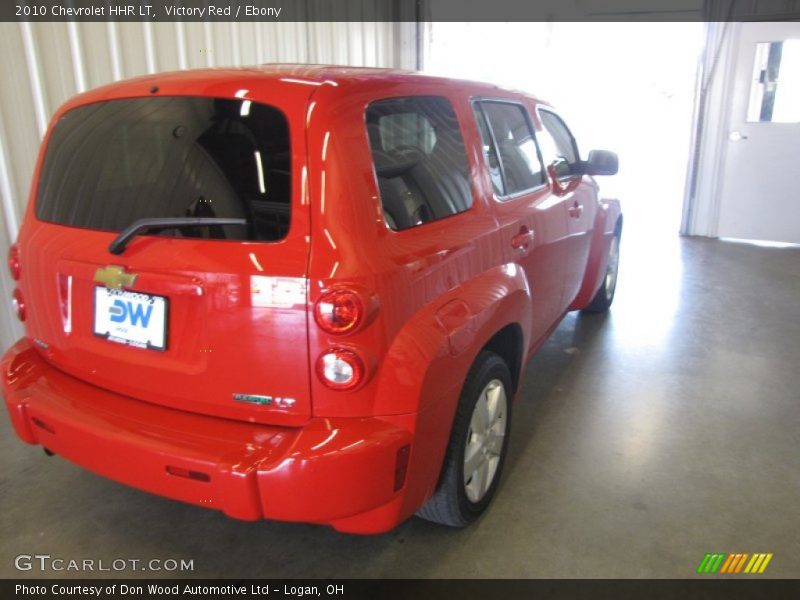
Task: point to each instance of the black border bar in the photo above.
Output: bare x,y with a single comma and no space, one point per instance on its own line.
397,10
416,589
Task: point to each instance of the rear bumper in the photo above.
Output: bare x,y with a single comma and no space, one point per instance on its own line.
328,471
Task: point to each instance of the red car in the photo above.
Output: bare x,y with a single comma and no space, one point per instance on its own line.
300,293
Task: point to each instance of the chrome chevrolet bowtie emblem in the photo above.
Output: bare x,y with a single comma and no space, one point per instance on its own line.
114,277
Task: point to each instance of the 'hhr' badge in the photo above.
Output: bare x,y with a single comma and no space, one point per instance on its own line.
114,277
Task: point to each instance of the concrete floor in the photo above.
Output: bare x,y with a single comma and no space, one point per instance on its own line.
642,440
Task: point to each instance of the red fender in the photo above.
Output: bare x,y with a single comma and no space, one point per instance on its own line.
446,335
605,226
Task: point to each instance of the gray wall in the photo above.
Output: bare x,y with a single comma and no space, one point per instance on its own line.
46,63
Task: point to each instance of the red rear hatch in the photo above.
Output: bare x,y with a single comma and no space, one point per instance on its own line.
202,317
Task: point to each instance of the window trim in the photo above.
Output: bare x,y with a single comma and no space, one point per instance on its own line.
546,109
479,100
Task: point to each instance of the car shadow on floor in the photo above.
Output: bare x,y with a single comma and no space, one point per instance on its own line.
557,362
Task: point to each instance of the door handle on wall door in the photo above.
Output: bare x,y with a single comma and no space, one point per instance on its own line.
523,239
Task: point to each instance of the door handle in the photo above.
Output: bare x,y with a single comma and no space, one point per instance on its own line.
523,239
576,210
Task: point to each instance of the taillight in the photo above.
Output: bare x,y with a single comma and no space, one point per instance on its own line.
18,302
339,311
13,261
340,369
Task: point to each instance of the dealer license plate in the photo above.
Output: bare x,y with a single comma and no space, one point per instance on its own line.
131,318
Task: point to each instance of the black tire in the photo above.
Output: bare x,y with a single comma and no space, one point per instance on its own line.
450,504
605,295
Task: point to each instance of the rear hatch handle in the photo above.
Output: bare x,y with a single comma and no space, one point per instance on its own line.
141,225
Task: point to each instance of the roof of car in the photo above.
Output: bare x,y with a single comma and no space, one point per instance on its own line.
288,74
341,74
321,73
317,73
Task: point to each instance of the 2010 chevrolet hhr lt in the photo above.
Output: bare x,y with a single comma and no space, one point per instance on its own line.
301,293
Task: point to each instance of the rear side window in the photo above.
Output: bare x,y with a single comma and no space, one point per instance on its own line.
509,147
419,159
112,163
558,146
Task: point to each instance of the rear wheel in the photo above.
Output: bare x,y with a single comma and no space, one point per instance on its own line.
477,448
605,295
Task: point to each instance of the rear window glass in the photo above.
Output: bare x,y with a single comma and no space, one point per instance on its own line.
112,163
419,160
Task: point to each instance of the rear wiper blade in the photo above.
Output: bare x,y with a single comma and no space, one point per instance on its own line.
142,225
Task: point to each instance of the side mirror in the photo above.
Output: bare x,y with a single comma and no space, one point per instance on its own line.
602,162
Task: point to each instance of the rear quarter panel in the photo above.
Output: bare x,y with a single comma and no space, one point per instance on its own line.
442,288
